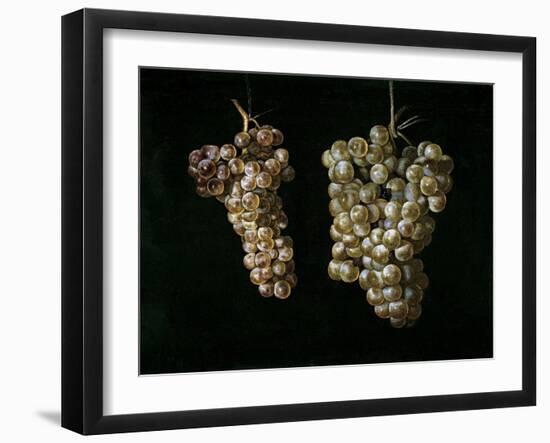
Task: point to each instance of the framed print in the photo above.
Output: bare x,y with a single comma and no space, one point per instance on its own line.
269,221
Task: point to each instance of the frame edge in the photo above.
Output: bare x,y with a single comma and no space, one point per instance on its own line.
72,117
82,193
529,221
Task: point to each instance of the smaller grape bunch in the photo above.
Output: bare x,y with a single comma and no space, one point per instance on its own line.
245,176
380,204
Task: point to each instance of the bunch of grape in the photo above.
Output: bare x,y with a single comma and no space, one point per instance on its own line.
380,204
245,176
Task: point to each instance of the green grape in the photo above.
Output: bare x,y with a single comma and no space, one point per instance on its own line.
375,296
343,172
414,311
381,254
382,310
405,228
359,214
405,251
379,174
433,152
391,274
379,134
392,293
358,147
369,192
409,152
390,163
398,309
402,166
361,230
446,164
339,251
430,167
343,223
444,182
334,269
428,185
412,294
437,201
348,271
391,239
392,210
339,151
414,173
375,154
422,147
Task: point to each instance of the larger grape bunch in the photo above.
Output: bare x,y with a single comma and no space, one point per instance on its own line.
380,204
245,177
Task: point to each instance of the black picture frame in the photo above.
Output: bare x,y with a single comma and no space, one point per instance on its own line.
82,220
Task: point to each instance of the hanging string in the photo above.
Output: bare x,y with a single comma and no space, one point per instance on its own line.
248,93
393,133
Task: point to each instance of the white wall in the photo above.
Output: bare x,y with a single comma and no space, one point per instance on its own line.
30,218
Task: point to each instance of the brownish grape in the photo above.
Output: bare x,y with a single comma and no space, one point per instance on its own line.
195,157
278,137
264,137
206,168
211,152
242,140
246,182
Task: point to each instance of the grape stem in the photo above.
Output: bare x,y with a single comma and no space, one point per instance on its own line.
245,115
400,134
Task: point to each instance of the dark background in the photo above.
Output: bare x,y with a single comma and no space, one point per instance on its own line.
199,312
